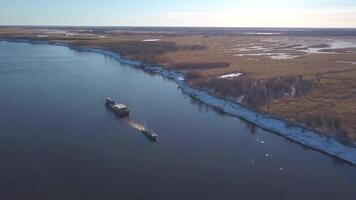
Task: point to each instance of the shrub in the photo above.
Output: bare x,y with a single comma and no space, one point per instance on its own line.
201,65
191,75
127,48
258,92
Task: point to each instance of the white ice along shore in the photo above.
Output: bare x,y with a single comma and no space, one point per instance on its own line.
299,134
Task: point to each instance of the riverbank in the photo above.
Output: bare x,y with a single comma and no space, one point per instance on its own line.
295,133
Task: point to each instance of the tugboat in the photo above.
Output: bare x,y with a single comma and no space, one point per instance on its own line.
150,134
119,109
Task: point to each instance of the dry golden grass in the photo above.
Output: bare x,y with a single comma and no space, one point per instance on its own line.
333,99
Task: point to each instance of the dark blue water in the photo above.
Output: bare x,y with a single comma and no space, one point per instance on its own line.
57,140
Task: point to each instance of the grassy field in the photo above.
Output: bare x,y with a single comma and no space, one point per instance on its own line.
306,77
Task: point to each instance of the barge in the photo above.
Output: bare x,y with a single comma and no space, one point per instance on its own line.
120,110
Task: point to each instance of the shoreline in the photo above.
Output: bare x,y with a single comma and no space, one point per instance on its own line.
297,133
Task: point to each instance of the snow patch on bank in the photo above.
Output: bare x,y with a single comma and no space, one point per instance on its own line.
151,40
261,33
345,62
302,135
42,36
233,75
283,56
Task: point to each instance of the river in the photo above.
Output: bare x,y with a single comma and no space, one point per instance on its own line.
58,141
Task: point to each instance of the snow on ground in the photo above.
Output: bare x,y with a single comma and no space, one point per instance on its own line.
352,63
151,40
290,48
181,78
233,75
53,31
261,33
282,56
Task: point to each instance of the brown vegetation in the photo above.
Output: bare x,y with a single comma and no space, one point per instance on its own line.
200,65
258,93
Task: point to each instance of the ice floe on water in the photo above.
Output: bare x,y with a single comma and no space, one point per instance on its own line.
233,75
260,141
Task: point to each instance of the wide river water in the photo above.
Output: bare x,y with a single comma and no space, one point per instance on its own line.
58,141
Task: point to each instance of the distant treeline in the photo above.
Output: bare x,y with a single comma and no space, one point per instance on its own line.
148,52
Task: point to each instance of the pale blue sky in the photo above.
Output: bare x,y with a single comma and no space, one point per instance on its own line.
250,13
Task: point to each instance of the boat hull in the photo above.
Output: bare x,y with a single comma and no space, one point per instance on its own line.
119,112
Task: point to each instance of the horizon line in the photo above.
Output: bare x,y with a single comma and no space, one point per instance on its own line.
156,26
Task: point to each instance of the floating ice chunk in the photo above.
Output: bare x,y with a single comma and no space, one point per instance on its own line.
281,169
260,141
233,75
267,155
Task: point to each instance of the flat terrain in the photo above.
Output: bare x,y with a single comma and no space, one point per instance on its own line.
306,76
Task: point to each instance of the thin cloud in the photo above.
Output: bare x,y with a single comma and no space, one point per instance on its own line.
340,17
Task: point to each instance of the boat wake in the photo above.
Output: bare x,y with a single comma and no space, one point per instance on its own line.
150,134
136,125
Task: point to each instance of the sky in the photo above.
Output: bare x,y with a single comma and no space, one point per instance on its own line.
202,13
